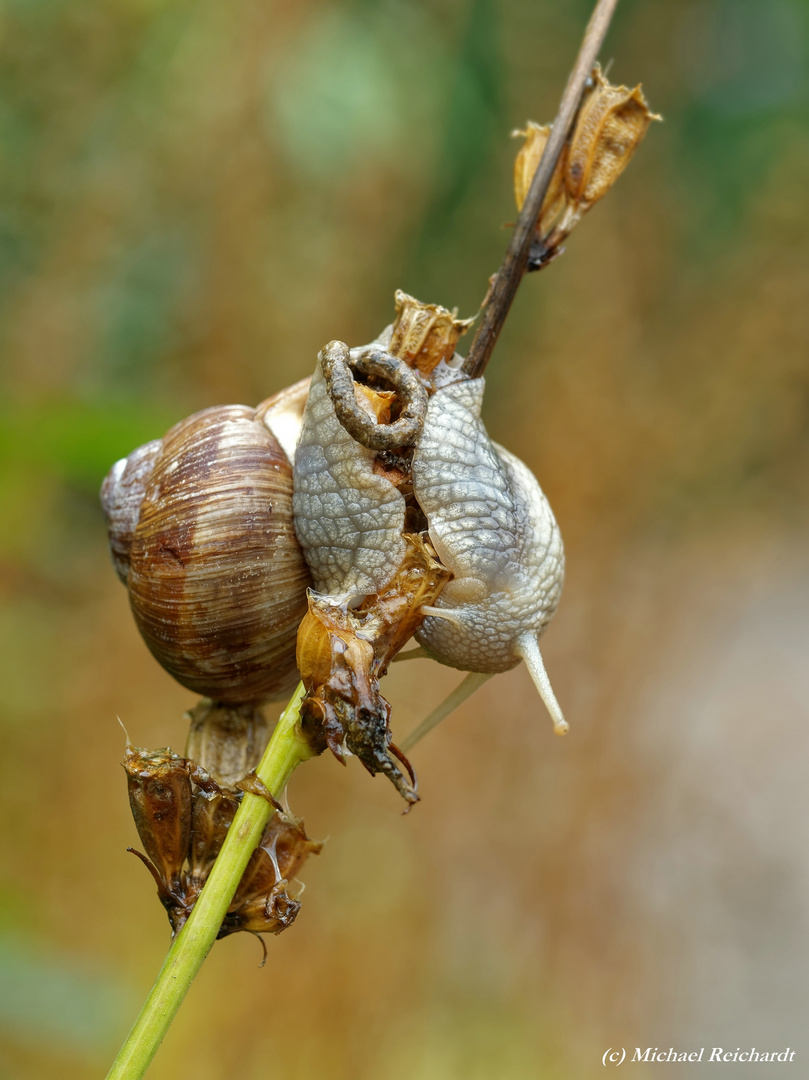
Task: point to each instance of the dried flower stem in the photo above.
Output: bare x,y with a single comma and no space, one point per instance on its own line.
509,276
286,750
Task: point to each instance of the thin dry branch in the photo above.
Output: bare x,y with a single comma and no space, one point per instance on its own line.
514,264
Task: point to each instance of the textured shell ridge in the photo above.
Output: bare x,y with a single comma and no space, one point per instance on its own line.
213,600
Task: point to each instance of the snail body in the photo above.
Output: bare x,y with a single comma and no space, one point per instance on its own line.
218,528
486,517
202,535
348,518
492,526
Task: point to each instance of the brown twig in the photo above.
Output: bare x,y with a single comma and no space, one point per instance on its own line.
509,276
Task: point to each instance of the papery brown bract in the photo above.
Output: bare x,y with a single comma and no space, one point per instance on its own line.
261,903
425,335
335,665
609,126
160,798
343,652
418,582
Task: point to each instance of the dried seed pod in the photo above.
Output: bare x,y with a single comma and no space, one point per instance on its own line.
425,335
212,815
160,799
261,903
280,855
611,122
526,164
202,534
268,914
610,125
183,815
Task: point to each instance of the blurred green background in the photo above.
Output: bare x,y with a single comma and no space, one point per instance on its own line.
194,198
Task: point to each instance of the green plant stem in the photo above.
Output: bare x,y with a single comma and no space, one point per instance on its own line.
286,749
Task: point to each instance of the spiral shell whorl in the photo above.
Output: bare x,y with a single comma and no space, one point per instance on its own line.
216,579
121,495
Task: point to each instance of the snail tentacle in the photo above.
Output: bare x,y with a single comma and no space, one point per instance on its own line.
528,648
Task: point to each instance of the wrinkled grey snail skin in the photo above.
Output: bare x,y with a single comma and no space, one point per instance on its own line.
349,520
488,521
492,526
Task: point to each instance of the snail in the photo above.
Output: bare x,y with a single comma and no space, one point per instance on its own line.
201,533
491,524
218,529
481,508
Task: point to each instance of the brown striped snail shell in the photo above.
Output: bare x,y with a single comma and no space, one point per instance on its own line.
201,532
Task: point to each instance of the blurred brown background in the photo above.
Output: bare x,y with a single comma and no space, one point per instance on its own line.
194,198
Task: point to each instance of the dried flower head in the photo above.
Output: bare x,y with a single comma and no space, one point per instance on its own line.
183,814
424,335
610,124
526,164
